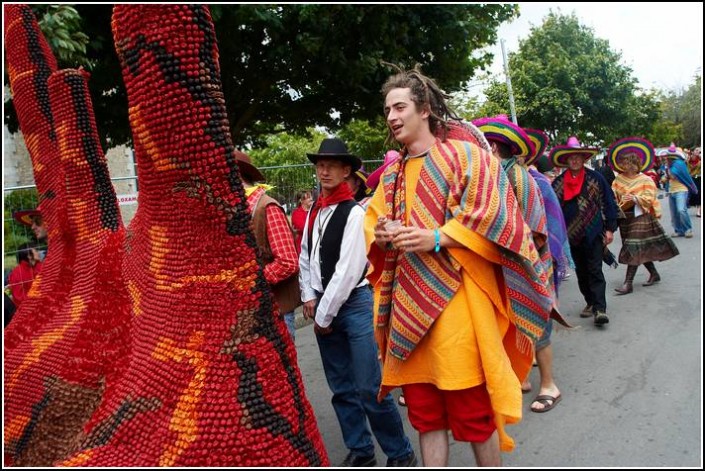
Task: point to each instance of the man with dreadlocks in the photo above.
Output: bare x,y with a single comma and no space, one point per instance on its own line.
454,281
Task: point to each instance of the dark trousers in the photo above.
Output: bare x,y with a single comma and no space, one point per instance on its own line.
588,268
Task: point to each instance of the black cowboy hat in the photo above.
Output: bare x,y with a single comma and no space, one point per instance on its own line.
335,149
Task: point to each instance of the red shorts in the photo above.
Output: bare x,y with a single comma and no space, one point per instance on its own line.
466,412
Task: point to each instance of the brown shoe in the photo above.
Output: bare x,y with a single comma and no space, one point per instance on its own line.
586,312
653,279
625,289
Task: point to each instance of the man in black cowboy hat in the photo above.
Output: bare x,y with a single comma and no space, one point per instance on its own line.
275,241
337,296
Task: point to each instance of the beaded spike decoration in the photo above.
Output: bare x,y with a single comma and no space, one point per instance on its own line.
54,379
29,65
212,378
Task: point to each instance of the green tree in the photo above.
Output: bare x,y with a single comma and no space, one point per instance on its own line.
680,118
62,26
365,139
292,67
569,82
692,114
14,233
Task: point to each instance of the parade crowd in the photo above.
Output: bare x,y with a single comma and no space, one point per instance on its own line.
439,273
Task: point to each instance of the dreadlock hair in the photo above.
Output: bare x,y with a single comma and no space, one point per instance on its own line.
425,94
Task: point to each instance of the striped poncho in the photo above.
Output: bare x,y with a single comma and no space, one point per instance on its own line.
458,182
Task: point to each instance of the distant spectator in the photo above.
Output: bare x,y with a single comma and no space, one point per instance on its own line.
298,216
605,171
8,308
694,165
22,276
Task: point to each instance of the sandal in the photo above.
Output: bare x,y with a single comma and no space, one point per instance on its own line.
401,401
549,402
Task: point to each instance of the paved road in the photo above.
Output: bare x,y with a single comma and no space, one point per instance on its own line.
632,391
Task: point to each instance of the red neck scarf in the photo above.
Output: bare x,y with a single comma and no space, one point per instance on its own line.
341,193
573,184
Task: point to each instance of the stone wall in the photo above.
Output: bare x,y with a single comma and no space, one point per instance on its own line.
17,170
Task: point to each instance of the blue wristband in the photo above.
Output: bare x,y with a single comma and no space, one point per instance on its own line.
437,233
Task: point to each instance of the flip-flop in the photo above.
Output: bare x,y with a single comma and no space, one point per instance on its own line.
526,391
544,399
401,401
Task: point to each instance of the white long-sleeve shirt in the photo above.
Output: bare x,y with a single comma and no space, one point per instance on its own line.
348,271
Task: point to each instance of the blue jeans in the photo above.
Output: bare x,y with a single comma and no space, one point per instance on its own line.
680,219
290,324
349,355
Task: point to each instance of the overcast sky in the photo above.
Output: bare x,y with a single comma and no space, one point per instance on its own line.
661,42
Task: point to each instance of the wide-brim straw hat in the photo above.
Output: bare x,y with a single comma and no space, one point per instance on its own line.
559,154
631,145
26,216
540,141
500,129
672,152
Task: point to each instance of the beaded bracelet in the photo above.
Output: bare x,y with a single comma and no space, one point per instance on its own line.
437,233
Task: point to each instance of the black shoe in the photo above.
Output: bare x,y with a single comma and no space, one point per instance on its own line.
408,461
601,318
357,461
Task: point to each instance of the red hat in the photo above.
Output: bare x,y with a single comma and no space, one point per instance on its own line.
25,216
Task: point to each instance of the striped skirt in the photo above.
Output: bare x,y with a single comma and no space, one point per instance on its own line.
644,240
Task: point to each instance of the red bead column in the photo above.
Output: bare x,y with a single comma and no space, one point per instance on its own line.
212,377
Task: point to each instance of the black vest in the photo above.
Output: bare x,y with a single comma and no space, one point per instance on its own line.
330,242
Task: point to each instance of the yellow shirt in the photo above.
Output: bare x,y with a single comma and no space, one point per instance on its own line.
471,342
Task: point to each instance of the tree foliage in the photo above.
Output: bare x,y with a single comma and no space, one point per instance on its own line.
14,233
569,82
292,67
680,116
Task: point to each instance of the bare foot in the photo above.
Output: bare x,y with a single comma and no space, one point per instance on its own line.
526,387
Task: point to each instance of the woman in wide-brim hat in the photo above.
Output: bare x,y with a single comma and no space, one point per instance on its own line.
643,238
638,146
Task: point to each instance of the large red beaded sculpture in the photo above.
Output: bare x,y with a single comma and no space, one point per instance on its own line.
212,377
62,349
208,376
